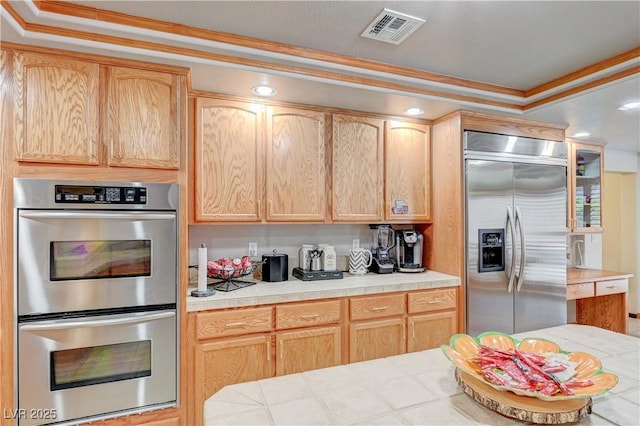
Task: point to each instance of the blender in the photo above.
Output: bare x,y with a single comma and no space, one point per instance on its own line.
383,240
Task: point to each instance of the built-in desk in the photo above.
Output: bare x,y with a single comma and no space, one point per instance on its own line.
601,297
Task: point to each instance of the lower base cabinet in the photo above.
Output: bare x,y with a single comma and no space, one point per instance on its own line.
376,339
225,362
430,330
245,344
305,350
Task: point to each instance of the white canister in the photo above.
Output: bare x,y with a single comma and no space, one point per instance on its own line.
328,258
304,260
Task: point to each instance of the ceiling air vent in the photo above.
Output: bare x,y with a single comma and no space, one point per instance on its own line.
392,27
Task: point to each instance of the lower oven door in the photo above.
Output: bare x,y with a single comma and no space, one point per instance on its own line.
96,367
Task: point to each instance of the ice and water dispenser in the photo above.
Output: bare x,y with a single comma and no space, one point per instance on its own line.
490,250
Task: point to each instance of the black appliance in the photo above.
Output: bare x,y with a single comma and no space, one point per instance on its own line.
409,246
383,240
275,267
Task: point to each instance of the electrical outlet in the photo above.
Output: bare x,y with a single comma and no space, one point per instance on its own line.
253,249
356,243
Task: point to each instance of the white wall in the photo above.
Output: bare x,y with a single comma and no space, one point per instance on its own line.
627,162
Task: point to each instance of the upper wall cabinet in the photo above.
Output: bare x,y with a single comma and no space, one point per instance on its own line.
56,102
59,116
143,129
586,167
357,169
228,161
296,169
407,157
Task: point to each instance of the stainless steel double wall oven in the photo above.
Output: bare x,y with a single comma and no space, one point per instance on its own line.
96,293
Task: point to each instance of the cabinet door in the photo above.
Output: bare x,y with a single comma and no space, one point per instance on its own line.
228,161
430,330
304,350
376,339
56,104
296,169
357,169
407,172
586,168
225,362
143,118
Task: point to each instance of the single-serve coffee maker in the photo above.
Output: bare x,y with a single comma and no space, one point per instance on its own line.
408,254
384,239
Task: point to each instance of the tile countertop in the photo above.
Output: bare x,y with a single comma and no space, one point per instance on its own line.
418,389
576,276
298,290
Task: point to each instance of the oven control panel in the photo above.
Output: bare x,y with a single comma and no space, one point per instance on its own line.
100,194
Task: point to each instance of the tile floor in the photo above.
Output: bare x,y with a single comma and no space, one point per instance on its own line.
633,328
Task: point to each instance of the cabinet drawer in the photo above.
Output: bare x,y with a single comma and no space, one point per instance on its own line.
230,323
580,291
307,314
432,300
612,287
376,306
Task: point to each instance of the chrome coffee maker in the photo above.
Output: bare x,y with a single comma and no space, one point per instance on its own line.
408,252
384,239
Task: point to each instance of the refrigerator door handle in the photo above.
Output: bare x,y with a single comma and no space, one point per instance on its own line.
511,272
523,255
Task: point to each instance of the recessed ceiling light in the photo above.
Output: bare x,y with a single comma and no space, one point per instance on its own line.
414,111
264,90
630,105
581,134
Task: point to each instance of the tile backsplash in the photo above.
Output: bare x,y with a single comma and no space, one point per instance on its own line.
233,240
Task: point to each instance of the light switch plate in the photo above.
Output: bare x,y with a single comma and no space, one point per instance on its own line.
253,249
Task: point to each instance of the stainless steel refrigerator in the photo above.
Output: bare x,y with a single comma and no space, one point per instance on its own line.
516,210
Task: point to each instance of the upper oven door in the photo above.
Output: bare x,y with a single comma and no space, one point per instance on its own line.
74,260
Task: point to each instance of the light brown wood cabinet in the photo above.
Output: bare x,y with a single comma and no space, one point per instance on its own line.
244,344
301,344
278,164
376,339
358,169
232,346
585,175
56,109
143,128
59,117
256,163
601,302
377,327
296,179
407,156
427,331
307,349
233,360
228,161
432,318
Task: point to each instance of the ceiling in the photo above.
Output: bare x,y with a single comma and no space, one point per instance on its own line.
564,62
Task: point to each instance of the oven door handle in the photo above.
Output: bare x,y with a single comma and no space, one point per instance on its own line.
97,323
91,215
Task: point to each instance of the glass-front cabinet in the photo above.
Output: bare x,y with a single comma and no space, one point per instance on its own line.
586,167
